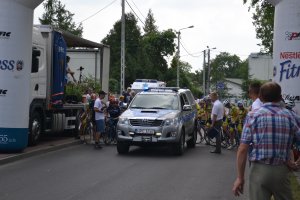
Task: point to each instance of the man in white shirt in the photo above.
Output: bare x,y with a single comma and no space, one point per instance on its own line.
217,115
254,95
99,117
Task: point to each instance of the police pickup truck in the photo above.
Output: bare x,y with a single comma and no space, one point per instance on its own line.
159,116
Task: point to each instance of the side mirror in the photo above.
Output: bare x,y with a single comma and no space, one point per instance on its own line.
187,108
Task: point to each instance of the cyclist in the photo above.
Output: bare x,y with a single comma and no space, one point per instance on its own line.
295,152
208,109
231,119
241,117
202,115
113,112
289,104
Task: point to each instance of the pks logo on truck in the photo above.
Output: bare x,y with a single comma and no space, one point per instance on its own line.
10,65
292,35
5,35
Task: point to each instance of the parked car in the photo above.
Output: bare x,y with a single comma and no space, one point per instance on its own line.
159,116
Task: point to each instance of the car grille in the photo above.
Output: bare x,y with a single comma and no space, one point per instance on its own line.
146,122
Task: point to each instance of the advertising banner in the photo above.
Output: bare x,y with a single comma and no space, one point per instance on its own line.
16,18
286,50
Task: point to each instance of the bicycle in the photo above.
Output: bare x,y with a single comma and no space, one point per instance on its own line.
201,131
86,127
110,134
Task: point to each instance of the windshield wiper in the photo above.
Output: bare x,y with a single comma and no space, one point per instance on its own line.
157,108
137,107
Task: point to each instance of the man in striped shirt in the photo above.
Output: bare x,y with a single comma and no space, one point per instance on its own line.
270,131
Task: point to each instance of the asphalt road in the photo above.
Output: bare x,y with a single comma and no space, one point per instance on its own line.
83,173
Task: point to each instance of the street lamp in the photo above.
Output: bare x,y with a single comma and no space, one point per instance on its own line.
178,50
208,66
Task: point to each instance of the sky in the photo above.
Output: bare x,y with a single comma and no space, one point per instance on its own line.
222,24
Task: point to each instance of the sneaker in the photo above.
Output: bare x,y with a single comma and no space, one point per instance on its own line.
230,147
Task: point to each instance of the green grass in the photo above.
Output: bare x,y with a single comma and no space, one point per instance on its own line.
295,187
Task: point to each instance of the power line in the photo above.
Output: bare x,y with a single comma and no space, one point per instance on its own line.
138,9
134,12
98,11
188,51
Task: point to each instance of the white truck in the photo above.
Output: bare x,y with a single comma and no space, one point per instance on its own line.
48,110
142,84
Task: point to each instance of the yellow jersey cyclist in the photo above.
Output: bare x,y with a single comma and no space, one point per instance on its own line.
242,113
231,121
202,116
208,109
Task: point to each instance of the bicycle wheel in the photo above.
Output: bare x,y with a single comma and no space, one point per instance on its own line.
89,133
105,136
201,132
224,139
208,140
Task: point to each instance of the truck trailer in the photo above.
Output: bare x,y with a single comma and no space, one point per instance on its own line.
48,109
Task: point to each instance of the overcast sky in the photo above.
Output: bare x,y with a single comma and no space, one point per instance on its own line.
224,24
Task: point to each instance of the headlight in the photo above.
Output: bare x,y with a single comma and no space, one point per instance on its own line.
171,122
123,121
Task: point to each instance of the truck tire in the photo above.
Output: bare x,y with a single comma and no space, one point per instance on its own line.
178,148
35,129
122,148
192,142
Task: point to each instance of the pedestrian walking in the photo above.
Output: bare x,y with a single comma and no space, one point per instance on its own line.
99,107
217,115
270,130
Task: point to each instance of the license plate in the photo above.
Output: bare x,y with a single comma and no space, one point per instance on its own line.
146,138
145,131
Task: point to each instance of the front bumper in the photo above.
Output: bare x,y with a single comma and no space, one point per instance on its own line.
153,135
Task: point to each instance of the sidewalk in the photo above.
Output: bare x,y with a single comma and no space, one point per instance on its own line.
46,145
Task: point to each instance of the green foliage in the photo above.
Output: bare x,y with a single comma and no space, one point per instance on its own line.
59,17
114,86
144,54
80,88
263,20
150,26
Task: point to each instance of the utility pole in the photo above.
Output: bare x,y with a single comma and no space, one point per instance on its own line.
122,81
208,71
178,51
203,71
178,57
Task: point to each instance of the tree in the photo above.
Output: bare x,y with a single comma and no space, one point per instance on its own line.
132,49
263,20
59,17
150,26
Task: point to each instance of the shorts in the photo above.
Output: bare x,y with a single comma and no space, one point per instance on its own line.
100,125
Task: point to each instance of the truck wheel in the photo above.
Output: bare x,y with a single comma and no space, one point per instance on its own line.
122,148
178,148
192,142
35,129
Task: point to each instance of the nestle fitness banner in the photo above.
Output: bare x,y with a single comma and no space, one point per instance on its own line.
286,52
16,18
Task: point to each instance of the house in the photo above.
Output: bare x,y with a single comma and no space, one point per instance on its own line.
234,86
260,66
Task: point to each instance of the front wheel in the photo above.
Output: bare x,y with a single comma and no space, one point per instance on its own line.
35,128
192,142
178,148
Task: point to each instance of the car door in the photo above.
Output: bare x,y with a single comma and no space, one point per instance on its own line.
186,114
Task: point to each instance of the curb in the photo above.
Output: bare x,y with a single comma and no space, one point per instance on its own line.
39,151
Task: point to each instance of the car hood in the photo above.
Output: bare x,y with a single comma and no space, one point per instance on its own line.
150,113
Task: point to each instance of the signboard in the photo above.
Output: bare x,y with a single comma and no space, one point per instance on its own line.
15,68
286,51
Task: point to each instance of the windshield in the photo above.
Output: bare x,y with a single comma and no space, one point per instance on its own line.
155,101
